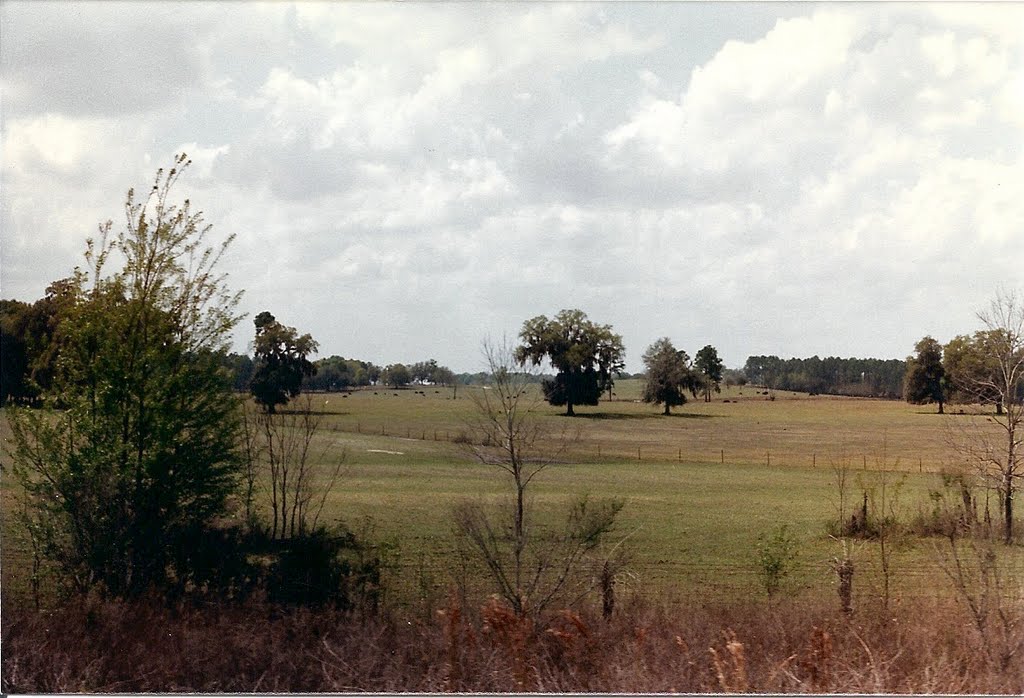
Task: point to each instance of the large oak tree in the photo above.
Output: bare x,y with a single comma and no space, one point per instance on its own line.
584,354
282,361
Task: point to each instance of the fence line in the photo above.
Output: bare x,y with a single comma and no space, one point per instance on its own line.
662,452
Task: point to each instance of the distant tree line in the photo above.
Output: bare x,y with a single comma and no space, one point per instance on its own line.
829,376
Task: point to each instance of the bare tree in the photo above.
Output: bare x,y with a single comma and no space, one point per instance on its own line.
529,568
991,599
252,450
993,447
279,448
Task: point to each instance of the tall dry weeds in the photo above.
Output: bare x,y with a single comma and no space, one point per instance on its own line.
796,645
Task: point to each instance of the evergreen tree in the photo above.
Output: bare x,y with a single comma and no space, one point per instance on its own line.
924,380
710,368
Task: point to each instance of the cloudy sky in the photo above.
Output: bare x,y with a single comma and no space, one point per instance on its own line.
403,180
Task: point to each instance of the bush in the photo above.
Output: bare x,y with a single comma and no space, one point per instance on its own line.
776,557
324,568
216,564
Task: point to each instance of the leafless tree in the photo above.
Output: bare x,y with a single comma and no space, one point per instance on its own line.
991,599
279,448
841,476
993,447
252,450
529,568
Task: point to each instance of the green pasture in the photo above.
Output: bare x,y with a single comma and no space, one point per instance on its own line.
706,482
739,426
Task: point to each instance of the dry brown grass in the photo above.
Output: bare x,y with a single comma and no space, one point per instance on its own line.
921,647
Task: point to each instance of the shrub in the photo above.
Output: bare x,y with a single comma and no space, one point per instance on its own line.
776,557
324,568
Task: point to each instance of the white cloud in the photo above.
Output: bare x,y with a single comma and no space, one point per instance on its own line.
49,141
841,181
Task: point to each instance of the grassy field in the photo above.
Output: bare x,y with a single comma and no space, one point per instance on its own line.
700,486
740,426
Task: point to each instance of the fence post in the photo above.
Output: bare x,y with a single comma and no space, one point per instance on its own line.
638,453
814,460
769,456
723,456
680,455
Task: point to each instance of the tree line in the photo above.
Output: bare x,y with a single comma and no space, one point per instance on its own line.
829,376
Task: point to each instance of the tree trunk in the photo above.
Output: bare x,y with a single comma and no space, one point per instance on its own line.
1008,509
666,409
520,545
568,409
607,591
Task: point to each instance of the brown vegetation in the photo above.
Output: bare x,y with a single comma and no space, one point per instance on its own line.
794,646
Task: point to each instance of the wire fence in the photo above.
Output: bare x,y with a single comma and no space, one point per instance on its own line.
593,450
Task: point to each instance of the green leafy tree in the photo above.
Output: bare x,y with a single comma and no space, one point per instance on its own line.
972,368
710,368
31,341
669,375
423,371
586,355
241,368
396,375
126,481
281,362
332,374
924,381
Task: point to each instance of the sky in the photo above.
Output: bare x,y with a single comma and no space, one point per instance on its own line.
405,180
